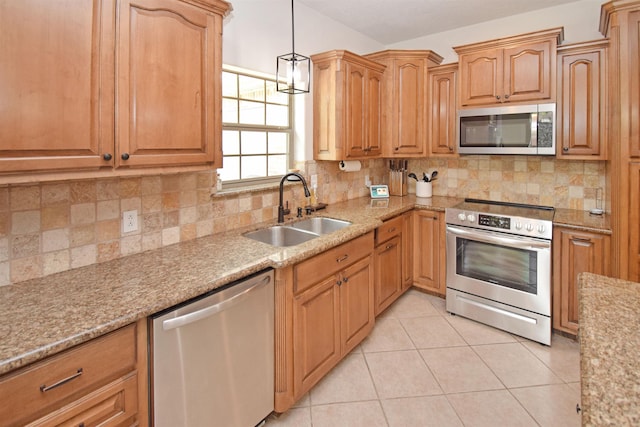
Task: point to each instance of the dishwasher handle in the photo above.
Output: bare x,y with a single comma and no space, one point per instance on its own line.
211,310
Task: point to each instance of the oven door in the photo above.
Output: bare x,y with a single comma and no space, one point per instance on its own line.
509,269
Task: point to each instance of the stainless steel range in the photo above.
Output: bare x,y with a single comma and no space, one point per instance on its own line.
499,265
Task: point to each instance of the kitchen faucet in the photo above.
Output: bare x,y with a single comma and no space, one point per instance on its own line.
281,210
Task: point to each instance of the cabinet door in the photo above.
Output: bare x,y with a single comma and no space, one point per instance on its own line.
56,73
316,334
374,113
481,77
575,252
581,113
442,111
407,250
356,110
528,72
429,252
634,84
388,273
409,119
169,83
356,303
634,222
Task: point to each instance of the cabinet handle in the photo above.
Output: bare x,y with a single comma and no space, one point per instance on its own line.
45,388
107,156
125,156
581,239
343,258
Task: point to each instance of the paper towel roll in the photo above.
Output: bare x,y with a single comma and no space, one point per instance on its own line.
350,165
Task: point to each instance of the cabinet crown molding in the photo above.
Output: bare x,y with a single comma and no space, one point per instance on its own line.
348,56
557,33
432,57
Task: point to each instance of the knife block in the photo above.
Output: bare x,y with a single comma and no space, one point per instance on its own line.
398,183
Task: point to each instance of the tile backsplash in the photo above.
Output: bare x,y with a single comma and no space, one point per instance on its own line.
55,226
50,227
524,179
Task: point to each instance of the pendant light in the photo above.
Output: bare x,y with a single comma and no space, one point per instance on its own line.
293,72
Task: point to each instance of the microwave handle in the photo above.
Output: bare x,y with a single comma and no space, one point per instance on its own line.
534,130
493,238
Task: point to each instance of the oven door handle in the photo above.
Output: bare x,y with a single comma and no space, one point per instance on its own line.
489,237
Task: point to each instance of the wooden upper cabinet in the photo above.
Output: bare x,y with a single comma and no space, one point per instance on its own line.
169,84
404,115
442,110
514,69
91,83
346,106
581,111
56,74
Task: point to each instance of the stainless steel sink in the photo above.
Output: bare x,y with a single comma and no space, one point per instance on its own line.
321,225
297,232
279,235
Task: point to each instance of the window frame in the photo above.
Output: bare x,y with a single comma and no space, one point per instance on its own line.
289,130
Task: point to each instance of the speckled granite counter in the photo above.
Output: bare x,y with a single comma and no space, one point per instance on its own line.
44,316
582,220
609,315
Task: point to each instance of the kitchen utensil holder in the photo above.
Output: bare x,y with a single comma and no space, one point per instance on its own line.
398,182
424,189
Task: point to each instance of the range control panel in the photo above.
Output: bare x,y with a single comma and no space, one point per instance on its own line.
509,224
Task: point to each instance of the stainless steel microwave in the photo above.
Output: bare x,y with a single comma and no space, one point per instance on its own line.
514,129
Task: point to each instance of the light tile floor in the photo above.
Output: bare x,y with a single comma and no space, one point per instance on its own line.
424,367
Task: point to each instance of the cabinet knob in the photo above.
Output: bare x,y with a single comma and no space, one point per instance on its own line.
125,156
565,149
506,97
450,148
107,156
339,282
346,279
397,148
498,97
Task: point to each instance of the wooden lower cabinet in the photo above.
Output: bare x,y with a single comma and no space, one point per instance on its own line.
98,383
393,260
429,268
575,252
324,308
388,277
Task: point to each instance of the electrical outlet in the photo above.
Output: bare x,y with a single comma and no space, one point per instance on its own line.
129,221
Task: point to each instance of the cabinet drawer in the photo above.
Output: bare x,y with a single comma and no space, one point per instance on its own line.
38,389
389,229
335,259
111,405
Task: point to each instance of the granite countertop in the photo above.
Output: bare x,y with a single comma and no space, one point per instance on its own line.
44,316
609,315
582,220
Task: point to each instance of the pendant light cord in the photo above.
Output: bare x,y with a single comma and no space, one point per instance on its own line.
293,38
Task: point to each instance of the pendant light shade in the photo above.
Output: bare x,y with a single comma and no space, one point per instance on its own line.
293,71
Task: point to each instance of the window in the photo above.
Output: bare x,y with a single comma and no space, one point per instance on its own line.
256,128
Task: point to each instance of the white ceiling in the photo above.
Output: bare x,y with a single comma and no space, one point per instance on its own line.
392,21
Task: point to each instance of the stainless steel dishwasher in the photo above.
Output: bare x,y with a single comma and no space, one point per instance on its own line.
213,357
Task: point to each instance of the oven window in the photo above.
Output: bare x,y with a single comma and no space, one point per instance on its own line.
500,265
